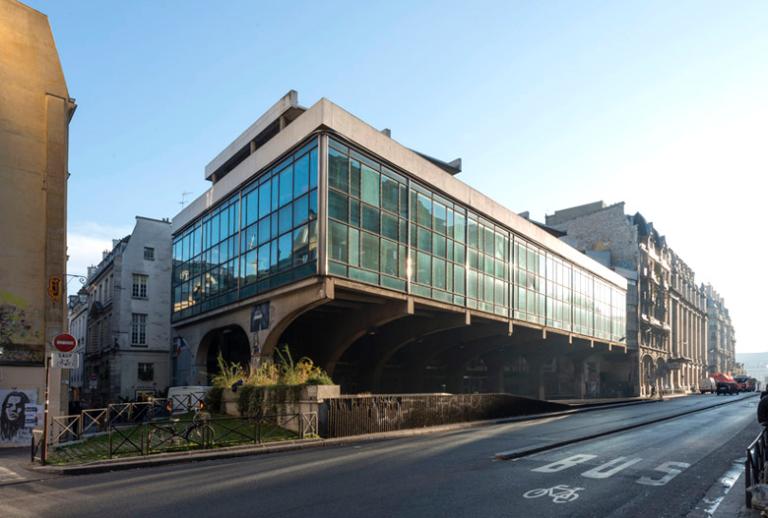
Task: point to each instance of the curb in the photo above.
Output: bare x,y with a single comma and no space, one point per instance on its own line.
516,454
248,450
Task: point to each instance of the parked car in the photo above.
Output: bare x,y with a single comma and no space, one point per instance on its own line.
707,385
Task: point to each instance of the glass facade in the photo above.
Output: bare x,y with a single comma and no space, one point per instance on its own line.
261,237
384,229
388,230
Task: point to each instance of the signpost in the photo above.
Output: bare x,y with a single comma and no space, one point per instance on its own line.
64,359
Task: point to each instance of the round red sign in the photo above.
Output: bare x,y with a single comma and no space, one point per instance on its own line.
65,343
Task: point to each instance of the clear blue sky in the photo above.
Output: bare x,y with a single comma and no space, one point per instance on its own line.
551,104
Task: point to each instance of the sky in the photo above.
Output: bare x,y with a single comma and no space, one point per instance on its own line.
662,105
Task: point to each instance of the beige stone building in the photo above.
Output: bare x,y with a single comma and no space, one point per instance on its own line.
35,111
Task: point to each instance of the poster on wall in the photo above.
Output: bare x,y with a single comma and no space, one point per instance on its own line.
13,430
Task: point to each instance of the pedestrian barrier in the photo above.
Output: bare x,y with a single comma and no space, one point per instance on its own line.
755,465
168,434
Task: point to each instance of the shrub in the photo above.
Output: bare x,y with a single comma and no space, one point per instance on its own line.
229,373
301,372
213,399
265,375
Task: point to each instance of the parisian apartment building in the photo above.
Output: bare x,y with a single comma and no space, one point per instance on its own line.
722,339
666,311
78,327
128,339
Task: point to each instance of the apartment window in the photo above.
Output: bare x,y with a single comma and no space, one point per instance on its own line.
139,286
146,371
149,254
138,329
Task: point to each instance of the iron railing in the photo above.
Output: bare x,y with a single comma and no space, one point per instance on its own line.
755,465
169,434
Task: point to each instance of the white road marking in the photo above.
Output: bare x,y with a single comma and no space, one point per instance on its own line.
610,468
560,494
672,469
6,475
716,493
560,465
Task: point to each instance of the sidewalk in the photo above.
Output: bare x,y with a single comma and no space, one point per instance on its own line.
734,505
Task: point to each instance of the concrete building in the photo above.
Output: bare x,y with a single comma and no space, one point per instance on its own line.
324,233
722,339
128,344
35,111
665,317
78,327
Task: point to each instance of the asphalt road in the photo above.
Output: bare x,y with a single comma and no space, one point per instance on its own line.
659,470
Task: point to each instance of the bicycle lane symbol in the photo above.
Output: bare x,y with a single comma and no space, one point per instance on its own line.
560,494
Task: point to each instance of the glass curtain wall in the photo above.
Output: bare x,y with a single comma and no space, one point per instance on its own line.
261,237
388,230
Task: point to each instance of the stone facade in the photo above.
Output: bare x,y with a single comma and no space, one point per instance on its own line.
128,342
35,111
722,340
665,310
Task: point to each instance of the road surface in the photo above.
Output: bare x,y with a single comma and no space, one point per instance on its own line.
658,470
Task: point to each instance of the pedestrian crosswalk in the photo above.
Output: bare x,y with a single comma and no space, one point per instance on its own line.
8,475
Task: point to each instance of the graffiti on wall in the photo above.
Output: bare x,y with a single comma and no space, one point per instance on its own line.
20,337
15,428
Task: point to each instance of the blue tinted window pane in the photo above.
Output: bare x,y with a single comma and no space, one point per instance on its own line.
263,260
250,266
301,175
424,211
354,247
301,210
224,223
264,233
275,194
313,204
338,170
251,207
423,268
390,194
286,185
313,169
285,217
389,226
369,255
424,240
389,257
337,206
284,249
337,238
354,212
440,218
370,186
215,229
354,178
264,197
370,218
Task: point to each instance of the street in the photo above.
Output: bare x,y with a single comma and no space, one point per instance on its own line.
662,469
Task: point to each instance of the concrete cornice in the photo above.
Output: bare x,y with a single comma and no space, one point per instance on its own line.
325,114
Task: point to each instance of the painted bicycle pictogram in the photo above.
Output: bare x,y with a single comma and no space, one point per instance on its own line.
560,494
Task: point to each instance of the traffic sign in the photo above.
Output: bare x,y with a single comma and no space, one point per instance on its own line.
65,343
65,360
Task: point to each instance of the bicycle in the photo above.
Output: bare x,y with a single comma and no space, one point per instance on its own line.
198,432
560,494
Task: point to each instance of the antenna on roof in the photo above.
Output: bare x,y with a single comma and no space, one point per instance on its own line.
183,199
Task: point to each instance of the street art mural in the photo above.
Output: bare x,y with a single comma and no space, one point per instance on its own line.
21,342
14,430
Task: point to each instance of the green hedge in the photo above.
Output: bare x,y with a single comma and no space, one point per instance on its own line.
256,401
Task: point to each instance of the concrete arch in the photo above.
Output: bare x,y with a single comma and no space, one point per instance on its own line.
230,341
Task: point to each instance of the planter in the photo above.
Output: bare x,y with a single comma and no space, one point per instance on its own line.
229,402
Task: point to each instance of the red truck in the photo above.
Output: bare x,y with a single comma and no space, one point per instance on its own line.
725,384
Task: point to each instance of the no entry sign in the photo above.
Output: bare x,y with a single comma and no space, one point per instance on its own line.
65,343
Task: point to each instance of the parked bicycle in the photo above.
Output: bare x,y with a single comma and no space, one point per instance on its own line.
169,435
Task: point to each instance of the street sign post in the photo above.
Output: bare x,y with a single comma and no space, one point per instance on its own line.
65,343
65,360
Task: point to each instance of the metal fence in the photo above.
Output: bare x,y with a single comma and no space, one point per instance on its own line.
755,465
67,428
169,434
354,415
